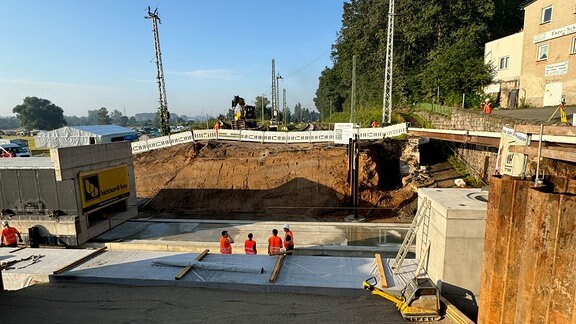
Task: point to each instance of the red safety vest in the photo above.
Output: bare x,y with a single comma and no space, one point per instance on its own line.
275,244
9,235
291,242
225,247
249,246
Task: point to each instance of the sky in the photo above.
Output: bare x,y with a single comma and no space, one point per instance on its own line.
83,55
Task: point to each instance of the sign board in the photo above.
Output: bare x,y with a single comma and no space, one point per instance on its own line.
559,32
101,188
512,164
556,69
343,132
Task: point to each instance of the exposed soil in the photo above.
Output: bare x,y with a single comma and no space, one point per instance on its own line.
299,182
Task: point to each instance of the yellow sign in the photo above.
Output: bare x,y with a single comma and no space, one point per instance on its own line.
103,187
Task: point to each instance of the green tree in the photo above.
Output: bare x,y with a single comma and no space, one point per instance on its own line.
37,113
103,117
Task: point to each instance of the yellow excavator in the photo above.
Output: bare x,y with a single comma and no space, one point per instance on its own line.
418,301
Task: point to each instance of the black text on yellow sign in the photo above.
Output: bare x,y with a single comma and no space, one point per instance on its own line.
101,188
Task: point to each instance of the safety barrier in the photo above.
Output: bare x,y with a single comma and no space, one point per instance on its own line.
263,137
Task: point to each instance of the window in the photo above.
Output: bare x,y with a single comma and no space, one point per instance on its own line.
546,14
503,63
542,52
573,46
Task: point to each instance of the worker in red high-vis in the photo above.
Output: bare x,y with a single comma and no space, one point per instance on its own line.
225,243
274,242
250,245
288,238
9,235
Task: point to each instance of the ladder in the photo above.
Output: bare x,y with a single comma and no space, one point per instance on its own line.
423,212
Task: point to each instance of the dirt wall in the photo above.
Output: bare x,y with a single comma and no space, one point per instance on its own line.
241,180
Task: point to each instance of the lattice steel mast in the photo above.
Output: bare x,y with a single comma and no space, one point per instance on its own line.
163,109
387,100
274,95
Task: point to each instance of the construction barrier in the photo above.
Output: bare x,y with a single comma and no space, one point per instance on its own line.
265,137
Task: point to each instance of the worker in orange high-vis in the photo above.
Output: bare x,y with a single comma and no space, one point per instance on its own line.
250,245
9,235
274,242
288,238
225,243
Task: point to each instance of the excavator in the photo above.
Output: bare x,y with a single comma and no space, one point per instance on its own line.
418,301
245,118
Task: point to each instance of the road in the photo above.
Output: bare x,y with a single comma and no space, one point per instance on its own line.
536,114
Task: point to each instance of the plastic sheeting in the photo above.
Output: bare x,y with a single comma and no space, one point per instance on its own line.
209,266
82,135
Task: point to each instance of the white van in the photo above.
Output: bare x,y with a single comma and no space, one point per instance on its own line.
13,150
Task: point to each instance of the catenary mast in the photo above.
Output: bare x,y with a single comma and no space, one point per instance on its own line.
387,100
163,109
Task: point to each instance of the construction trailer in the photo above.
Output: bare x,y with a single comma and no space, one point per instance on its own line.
84,135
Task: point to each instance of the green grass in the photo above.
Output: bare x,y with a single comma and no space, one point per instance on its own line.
462,169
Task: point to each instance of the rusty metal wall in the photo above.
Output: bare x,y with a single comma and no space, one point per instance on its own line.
529,262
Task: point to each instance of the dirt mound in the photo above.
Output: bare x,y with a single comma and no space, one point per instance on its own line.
239,180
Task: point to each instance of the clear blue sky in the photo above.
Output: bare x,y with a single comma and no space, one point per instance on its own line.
83,55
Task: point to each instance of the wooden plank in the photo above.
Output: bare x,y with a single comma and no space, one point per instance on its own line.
277,268
454,313
80,261
281,252
560,153
548,130
188,268
381,273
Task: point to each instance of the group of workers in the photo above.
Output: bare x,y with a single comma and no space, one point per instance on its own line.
275,243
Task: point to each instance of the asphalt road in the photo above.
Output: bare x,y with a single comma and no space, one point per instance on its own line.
536,114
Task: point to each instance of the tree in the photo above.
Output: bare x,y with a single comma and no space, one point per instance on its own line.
37,113
438,44
103,117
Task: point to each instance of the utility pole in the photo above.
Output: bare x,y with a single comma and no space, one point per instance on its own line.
284,106
163,109
262,103
387,100
353,100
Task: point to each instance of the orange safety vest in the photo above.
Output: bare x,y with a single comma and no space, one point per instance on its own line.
249,246
275,244
225,247
9,235
291,242
487,108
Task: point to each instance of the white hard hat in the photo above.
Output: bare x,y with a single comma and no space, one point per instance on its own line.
286,226
487,99
4,223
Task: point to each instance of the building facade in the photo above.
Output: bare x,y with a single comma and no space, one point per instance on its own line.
505,57
549,53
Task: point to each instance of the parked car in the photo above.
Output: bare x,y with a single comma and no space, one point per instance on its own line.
13,150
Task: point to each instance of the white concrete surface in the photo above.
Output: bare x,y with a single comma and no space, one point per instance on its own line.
299,274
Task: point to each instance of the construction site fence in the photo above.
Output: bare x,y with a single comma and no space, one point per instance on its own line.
267,136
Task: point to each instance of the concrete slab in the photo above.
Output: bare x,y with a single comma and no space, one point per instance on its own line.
299,274
318,238
27,273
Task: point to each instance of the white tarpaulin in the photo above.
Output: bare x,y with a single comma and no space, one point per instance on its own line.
83,135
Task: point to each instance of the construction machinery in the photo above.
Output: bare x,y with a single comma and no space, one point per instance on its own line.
418,301
245,118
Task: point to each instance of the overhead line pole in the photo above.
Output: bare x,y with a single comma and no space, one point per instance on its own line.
387,100
163,109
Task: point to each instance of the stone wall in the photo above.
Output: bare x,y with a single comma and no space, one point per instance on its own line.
481,160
